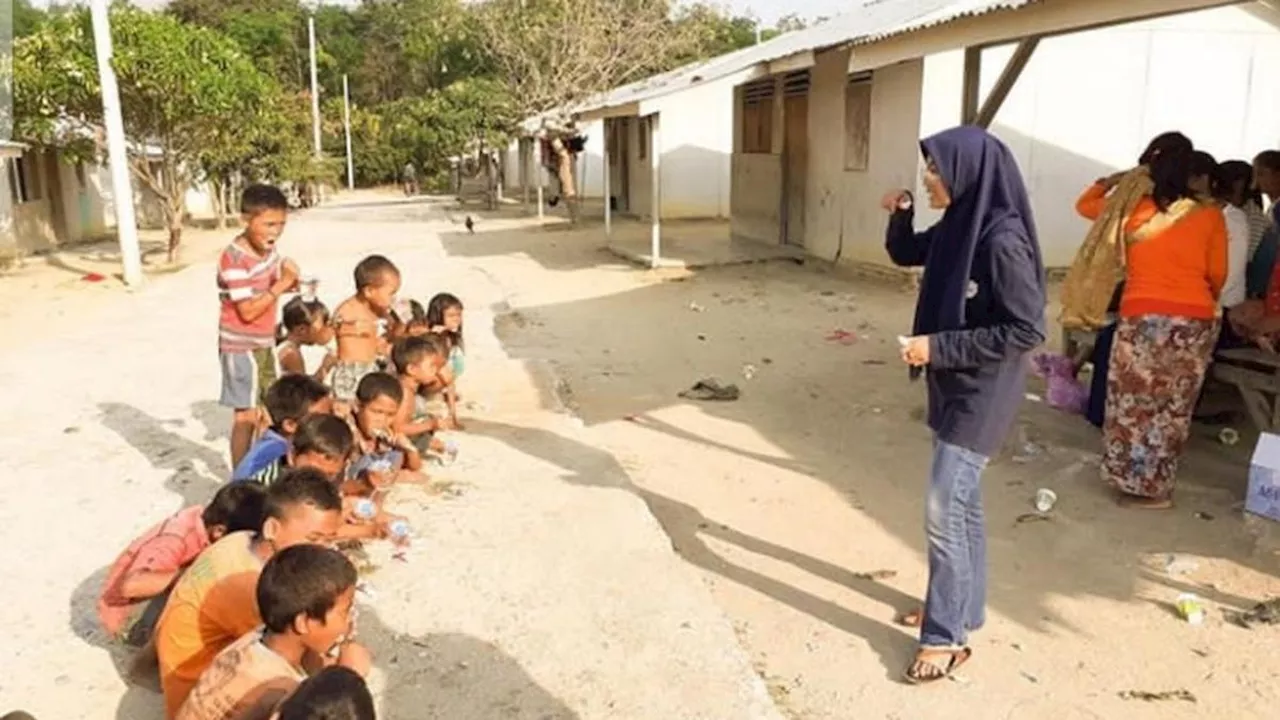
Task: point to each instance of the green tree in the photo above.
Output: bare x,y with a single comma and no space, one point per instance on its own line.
186,93
272,32
26,18
554,53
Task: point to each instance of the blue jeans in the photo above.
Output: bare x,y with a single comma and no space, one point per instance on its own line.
956,600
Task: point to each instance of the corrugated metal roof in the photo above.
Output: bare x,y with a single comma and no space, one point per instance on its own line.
874,21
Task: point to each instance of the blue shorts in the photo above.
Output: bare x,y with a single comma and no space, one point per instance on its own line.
246,377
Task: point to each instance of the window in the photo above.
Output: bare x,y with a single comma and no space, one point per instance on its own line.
642,141
756,114
18,181
857,122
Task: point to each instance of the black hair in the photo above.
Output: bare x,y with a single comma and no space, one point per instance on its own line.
1232,174
417,314
327,435
291,398
1269,159
435,316
1202,163
302,580
412,350
300,313
301,486
257,198
334,693
1170,172
371,270
237,506
1165,142
379,384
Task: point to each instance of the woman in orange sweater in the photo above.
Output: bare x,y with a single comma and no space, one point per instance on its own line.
1176,264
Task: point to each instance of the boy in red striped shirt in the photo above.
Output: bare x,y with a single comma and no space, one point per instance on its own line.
251,279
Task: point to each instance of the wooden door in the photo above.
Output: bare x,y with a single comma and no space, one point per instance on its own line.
795,155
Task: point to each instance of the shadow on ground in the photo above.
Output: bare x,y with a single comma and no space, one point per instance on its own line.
847,416
198,471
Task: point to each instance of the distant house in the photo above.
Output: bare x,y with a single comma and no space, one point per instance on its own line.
55,201
814,126
522,171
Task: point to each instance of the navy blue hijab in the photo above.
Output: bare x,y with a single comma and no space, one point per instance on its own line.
987,197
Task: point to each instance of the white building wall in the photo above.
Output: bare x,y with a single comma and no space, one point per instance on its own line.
697,148
1088,103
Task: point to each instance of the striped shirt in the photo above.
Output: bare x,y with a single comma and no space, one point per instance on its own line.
243,274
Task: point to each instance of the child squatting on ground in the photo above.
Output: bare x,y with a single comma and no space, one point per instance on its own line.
140,579
251,278
306,596
214,603
288,401
382,454
304,323
360,322
419,360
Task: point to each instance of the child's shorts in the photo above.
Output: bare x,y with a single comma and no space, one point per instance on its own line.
246,377
141,625
346,378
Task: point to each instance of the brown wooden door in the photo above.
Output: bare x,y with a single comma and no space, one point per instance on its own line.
795,157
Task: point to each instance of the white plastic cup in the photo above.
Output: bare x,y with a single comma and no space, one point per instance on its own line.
1045,500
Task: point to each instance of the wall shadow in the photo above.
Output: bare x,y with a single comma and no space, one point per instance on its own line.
688,529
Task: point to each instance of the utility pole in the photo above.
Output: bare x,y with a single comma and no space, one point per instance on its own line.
346,121
315,86
117,147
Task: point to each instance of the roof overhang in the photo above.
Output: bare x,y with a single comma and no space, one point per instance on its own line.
631,109
1036,19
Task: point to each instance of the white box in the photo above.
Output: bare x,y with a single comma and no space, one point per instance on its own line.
1263,496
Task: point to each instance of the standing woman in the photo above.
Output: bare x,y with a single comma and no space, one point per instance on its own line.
1176,259
980,312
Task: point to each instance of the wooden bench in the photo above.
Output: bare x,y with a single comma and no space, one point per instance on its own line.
1256,374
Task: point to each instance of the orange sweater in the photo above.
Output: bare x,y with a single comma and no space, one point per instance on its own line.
1179,271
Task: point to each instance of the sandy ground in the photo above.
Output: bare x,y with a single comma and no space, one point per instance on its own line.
540,586
816,475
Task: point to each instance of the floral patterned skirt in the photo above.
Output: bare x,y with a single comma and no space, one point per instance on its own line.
1158,364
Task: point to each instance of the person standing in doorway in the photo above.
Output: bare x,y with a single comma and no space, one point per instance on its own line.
979,314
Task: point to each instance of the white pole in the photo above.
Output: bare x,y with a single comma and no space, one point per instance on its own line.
315,86
117,148
346,120
608,192
541,173
655,182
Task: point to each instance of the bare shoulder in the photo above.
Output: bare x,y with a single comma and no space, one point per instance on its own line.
351,310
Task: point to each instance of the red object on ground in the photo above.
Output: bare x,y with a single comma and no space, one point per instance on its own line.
844,337
93,277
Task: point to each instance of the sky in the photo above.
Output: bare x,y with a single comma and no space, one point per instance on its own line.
767,10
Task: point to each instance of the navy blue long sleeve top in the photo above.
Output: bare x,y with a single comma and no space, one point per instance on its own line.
977,374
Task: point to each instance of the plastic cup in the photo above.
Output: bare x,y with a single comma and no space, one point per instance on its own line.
1045,500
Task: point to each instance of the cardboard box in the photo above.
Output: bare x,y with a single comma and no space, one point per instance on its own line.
1263,496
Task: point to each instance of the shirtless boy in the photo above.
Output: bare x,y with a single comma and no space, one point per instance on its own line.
359,323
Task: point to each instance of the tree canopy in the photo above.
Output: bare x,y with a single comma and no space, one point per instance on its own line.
222,87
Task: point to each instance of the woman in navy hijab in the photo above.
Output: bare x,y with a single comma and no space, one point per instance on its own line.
979,314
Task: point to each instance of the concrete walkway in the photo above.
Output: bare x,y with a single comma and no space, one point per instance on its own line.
540,588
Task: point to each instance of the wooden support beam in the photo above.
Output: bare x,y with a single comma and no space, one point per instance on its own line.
1004,84
971,85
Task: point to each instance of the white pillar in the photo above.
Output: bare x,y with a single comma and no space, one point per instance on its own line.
608,191
315,87
655,182
346,121
117,148
541,173
525,161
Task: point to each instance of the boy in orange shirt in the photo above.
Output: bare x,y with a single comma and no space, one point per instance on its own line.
306,596
214,602
139,581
